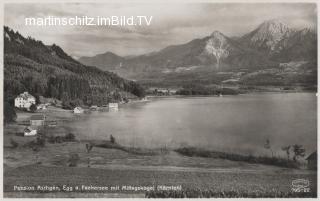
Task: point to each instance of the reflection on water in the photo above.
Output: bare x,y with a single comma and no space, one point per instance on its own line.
232,123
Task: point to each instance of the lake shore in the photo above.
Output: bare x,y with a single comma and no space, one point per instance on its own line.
144,168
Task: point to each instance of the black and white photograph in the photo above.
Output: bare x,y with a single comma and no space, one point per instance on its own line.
154,99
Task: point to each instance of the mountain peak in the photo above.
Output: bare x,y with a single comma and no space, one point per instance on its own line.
310,29
216,33
274,26
108,52
268,34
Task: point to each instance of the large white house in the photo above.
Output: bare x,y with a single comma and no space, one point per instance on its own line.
24,100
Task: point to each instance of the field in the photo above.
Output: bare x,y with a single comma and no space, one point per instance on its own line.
218,180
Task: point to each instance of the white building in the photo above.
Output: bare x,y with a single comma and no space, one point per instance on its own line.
113,106
94,107
37,120
30,131
24,100
78,110
41,107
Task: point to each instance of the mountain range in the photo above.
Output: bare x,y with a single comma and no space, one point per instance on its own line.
46,70
271,44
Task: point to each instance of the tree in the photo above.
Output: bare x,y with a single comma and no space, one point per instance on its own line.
37,96
112,139
89,147
9,113
298,151
73,160
33,108
69,137
268,146
13,143
287,150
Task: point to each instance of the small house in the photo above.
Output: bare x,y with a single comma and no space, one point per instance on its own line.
41,107
78,110
113,106
93,107
24,100
52,123
312,161
37,120
30,131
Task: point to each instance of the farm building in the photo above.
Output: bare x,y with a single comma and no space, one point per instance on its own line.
113,106
30,131
24,100
78,110
37,120
93,107
41,107
312,161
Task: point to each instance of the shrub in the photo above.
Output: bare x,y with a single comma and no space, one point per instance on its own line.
89,147
191,151
51,139
9,113
13,143
33,108
73,160
69,137
40,141
19,134
36,144
112,139
58,139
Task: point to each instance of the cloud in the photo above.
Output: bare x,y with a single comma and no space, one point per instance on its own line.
172,23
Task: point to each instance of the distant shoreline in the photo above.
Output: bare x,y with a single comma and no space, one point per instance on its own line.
249,92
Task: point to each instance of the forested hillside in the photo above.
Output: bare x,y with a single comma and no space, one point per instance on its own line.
31,66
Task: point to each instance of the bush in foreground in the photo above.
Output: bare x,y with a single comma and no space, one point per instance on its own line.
191,151
73,160
70,137
13,143
9,114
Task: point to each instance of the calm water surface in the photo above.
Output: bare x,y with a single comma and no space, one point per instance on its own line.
231,123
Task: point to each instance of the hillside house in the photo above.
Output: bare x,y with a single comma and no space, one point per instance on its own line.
30,131
94,107
113,106
37,120
312,161
41,107
78,110
24,100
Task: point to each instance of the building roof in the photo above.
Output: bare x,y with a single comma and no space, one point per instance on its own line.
29,129
25,95
312,156
37,117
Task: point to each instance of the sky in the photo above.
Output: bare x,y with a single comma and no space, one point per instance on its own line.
172,23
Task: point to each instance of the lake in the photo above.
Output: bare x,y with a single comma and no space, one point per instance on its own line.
239,124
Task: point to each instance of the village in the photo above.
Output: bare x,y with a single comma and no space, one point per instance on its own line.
27,103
